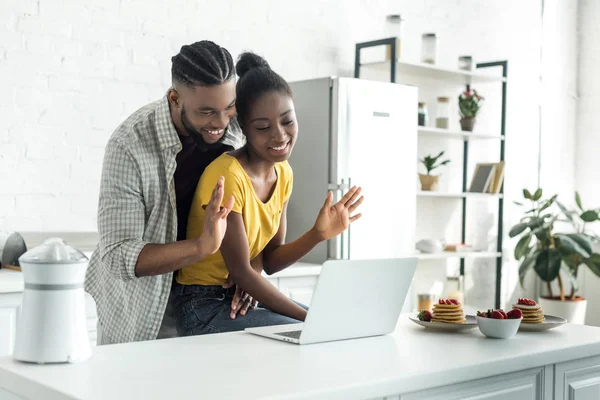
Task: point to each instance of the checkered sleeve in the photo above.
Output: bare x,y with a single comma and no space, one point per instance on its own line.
121,213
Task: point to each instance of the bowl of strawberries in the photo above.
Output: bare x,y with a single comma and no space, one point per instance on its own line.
499,324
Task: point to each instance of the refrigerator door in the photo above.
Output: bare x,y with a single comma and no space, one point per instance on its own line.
310,160
374,145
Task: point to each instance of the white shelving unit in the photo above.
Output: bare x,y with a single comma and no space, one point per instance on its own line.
461,135
464,254
434,72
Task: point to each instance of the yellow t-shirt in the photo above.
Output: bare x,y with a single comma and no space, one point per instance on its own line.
261,220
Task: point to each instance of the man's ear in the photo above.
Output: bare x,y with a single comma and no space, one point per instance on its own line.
173,97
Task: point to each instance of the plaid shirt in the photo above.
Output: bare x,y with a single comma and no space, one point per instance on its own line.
136,207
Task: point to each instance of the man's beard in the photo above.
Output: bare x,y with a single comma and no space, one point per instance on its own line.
197,136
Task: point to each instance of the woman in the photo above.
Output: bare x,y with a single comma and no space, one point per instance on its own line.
260,180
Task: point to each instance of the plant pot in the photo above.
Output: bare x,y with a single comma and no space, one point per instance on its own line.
571,310
429,182
467,124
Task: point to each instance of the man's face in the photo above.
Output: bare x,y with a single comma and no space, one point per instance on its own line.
203,112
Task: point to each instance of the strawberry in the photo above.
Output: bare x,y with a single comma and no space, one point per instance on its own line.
515,313
482,314
424,315
497,315
454,301
444,301
526,302
503,314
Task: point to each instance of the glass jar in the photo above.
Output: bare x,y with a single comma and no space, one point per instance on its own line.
465,63
453,288
394,27
425,301
443,113
428,48
422,114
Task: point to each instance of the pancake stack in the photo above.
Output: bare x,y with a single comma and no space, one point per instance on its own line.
531,314
449,313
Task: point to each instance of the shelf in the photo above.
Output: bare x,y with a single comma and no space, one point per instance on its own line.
434,72
463,135
464,254
459,195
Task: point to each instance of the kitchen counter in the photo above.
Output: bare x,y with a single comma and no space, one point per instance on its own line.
240,365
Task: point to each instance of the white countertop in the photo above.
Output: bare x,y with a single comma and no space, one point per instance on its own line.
11,281
240,365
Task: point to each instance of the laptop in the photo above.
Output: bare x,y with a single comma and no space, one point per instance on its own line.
352,299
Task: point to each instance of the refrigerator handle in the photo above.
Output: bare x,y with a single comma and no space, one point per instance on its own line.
349,225
343,246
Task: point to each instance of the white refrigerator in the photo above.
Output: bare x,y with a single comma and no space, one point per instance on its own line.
356,132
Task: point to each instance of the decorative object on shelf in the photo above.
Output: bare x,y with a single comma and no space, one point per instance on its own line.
394,27
422,114
498,178
458,248
469,103
428,48
12,246
482,177
465,63
453,288
443,113
430,182
430,246
549,252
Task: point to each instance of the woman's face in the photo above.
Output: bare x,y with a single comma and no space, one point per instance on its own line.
271,128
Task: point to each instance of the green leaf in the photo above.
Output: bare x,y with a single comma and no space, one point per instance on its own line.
589,216
582,240
537,195
526,265
593,264
535,222
522,246
542,234
518,203
565,211
517,229
578,201
547,264
547,204
527,194
568,245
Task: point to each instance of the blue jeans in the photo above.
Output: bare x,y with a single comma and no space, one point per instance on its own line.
200,310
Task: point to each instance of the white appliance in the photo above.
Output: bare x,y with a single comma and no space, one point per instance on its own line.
356,132
378,289
52,325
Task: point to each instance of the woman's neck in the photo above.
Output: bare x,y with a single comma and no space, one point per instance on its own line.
255,165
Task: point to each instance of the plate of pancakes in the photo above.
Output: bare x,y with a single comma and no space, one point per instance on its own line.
448,315
534,319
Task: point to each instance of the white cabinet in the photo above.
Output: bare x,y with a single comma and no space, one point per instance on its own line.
523,385
578,380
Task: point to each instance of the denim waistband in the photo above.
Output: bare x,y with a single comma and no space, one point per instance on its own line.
202,290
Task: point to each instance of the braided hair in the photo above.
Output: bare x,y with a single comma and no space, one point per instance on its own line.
256,79
202,63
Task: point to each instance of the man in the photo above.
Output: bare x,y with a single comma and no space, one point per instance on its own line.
151,168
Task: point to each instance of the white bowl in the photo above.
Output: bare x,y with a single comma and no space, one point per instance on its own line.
498,328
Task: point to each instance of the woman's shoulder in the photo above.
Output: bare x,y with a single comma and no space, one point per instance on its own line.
285,168
225,164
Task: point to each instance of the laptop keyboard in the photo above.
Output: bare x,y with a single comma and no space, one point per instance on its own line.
291,334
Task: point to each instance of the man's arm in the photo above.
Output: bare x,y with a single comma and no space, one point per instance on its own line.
122,221
236,255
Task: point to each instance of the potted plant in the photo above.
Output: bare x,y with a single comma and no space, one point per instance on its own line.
549,252
469,103
430,182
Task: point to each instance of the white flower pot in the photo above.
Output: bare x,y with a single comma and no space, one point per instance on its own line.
571,310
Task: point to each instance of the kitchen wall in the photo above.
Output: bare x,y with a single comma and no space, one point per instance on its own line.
587,166
72,71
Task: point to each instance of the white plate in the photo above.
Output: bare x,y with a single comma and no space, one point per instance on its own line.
445,326
550,322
